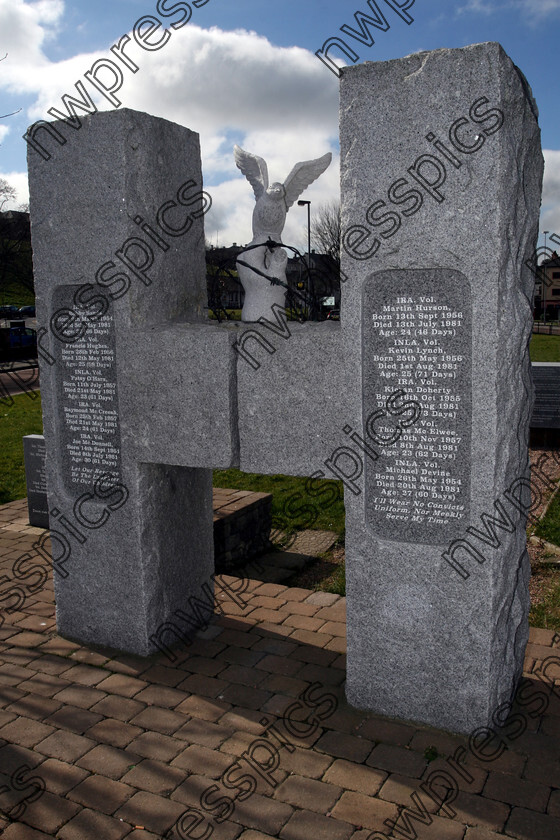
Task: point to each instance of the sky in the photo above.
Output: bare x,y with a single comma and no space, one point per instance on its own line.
246,72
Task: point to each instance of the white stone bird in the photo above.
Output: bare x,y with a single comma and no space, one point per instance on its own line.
274,201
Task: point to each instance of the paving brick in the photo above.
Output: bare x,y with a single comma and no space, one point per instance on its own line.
248,720
141,834
203,761
240,656
397,760
278,684
519,792
159,720
241,695
269,628
262,813
475,810
19,831
25,731
155,777
12,756
155,813
29,639
85,674
355,777
480,833
89,657
61,777
322,599
163,676
538,636
243,675
277,704
314,655
445,744
308,794
544,771
554,804
364,811
279,665
157,746
115,706
309,637
391,732
155,695
66,746
101,794
108,761
434,827
341,745
527,825
74,719
114,732
237,744
202,707
277,647
80,695
91,824
398,789
50,812
206,686
13,674
122,684
47,685
326,676
237,638
471,779
204,733
305,824
270,589
128,664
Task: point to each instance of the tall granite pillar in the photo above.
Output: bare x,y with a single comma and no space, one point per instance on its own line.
441,173
118,247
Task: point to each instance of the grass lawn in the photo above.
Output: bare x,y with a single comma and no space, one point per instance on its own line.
293,508
23,417
546,614
545,348
549,527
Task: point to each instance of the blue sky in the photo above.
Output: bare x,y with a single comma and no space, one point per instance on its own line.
245,72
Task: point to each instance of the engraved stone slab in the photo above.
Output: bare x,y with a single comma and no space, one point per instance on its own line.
34,455
546,411
86,375
440,199
417,339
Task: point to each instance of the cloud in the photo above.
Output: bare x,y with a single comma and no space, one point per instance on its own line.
228,86
535,9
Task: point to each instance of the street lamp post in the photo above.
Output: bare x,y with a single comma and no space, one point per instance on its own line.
302,203
543,283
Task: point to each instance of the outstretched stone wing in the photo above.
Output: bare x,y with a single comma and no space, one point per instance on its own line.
302,175
254,168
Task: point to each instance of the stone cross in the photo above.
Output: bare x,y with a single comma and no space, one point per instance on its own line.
419,399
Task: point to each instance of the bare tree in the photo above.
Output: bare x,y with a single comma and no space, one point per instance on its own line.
3,116
325,230
7,193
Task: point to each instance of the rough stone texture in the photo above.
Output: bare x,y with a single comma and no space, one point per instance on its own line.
423,642
292,408
123,575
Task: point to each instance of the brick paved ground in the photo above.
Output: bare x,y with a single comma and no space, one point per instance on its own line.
130,747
